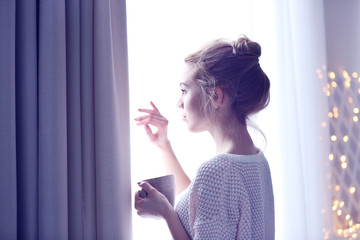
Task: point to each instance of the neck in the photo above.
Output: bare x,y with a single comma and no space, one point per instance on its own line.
232,137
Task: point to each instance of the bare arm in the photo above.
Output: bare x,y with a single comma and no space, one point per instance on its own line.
159,138
176,228
173,166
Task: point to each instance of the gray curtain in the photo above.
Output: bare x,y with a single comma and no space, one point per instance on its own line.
64,120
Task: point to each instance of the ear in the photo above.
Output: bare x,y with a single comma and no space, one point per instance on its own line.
218,97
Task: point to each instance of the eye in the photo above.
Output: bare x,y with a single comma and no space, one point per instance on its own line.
183,91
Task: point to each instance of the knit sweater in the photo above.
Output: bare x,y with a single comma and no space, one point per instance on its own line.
231,197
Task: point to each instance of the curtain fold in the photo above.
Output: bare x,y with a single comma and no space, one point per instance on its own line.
8,181
74,130
52,113
64,120
26,56
87,119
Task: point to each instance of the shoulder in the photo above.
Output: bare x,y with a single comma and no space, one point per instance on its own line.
226,161
217,171
232,168
215,165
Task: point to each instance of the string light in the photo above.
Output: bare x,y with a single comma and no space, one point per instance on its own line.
349,228
333,138
352,190
344,165
347,83
339,212
336,113
331,75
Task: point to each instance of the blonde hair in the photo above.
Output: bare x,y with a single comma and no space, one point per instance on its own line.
234,67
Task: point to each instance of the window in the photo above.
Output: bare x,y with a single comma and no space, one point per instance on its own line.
160,35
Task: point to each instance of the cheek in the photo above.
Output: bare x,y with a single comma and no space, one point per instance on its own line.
195,105
190,101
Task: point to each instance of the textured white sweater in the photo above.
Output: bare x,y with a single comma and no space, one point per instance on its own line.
231,197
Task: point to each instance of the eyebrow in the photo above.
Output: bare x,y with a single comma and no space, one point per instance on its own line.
183,84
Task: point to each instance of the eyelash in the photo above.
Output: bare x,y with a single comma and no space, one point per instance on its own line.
183,91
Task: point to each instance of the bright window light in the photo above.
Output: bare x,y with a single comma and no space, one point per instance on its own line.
160,34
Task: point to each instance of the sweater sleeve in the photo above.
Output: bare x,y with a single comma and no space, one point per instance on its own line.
219,205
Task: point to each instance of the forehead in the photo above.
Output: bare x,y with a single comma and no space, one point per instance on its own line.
188,74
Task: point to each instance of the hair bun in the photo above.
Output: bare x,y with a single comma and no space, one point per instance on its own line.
244,46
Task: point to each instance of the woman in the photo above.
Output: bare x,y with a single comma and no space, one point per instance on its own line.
231,195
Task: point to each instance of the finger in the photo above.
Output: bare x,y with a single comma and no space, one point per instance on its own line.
159,117
154,107
137,201
137,195
146,186
140,213
148,130
152,121
152,136
150,111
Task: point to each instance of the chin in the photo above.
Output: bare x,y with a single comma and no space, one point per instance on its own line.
195,128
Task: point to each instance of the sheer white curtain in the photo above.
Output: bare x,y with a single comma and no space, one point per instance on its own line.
298,141
291,34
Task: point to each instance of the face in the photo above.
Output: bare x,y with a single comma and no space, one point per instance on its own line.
190,102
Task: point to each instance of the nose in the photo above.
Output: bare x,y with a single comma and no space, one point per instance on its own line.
180,103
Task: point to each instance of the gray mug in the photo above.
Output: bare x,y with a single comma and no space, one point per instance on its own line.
165,185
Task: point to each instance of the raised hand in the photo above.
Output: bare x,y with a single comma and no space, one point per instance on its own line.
159,137
154,118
